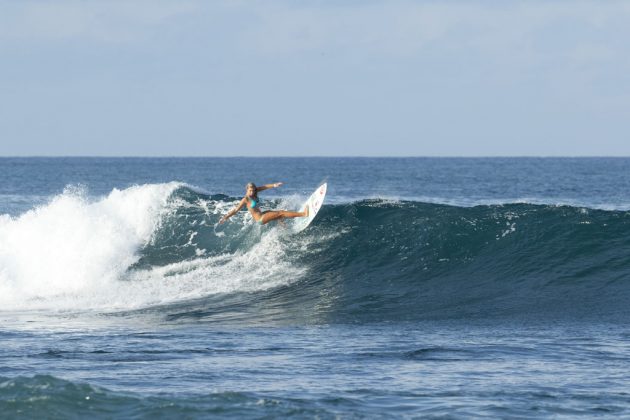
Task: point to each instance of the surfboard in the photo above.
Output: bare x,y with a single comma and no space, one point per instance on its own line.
314,203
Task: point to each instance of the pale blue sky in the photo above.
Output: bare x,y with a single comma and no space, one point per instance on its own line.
287,78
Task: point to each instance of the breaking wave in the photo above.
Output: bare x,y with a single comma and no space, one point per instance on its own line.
158,249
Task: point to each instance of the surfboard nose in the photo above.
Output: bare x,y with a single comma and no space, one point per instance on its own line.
312,205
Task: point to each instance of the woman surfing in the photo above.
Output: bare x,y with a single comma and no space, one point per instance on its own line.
252,202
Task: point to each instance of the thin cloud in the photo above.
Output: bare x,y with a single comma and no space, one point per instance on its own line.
108,22
406,28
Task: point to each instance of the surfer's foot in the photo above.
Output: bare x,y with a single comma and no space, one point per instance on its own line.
305,212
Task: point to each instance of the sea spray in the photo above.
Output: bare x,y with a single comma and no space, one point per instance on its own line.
74,245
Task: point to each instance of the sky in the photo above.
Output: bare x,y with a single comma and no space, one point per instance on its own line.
314,78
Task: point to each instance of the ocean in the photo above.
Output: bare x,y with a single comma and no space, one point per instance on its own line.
425,287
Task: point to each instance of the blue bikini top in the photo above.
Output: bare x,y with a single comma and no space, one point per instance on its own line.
253,202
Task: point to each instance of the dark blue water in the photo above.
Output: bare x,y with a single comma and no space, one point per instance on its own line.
425,287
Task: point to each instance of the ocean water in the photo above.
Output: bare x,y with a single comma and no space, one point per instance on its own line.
425,287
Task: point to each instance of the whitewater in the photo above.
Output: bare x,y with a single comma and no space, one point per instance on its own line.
76,253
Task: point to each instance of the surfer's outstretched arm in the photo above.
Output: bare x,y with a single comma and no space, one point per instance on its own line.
268,186
233,211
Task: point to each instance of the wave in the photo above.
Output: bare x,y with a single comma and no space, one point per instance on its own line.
45,396
157,249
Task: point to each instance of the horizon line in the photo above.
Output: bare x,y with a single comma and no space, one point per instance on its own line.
314,157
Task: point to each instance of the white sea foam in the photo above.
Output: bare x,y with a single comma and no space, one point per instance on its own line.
71,244
74,254
262,267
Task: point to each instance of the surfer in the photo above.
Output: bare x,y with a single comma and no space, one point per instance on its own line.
253,205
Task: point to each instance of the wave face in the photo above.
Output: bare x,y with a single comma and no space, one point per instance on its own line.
157,249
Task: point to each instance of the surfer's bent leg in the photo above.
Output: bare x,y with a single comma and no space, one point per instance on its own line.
268,216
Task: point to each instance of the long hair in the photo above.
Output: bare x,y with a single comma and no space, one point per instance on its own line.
251,184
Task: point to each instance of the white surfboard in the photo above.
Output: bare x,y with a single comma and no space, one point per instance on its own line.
314,203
